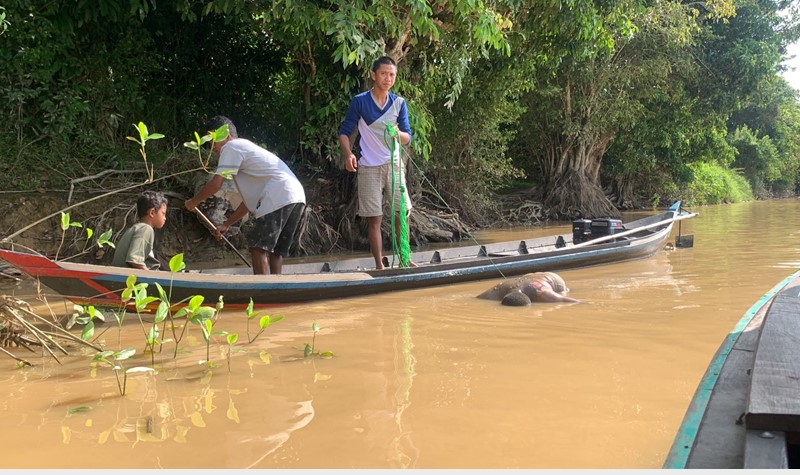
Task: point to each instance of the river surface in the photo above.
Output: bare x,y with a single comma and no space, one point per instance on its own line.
431,378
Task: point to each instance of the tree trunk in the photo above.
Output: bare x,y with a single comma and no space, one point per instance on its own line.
573,188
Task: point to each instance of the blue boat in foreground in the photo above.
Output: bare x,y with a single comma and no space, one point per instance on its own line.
745,412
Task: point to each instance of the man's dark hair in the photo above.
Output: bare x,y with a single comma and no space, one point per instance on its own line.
382,60
218,121
149,200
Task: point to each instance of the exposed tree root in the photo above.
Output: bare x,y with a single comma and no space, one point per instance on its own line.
574,196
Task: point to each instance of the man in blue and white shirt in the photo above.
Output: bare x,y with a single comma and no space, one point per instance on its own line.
372,112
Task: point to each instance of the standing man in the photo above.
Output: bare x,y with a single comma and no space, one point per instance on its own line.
269,189
372,112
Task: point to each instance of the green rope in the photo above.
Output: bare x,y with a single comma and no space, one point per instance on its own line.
432,188
401,246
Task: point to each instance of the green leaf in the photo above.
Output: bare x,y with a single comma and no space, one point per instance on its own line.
195,302
126,294
307,351
124,354
71,321
152,335
209,324
249,310
191,145
326,354
105,238
220,304
232,338
78,409
102,355
99,315
155,136
161,293
264,322
162,312
64,221
315,327
220,134
141,303
130,282
88,331
276,319
181,313
119,317
89,233
204,313
176,264
142,131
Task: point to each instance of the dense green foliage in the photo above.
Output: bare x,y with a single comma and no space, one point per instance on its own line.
596,104
715,184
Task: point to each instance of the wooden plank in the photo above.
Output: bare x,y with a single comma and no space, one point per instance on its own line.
764,449
774,397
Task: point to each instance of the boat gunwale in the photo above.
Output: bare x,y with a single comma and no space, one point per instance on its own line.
685,438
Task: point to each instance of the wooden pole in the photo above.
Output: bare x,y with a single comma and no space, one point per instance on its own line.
214,228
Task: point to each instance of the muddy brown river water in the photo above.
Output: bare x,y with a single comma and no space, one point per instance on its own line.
432,378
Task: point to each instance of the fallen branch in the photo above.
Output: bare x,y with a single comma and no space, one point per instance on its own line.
95,176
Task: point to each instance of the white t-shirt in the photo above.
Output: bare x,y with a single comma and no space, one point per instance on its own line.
265,182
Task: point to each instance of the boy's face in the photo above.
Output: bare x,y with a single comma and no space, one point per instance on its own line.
383,78
217,147
158,217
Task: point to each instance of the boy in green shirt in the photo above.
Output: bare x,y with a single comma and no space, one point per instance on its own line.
135,247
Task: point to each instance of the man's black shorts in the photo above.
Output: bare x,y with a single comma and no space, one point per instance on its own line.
275,232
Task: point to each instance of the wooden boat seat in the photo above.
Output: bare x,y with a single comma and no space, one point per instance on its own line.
773,402
774,398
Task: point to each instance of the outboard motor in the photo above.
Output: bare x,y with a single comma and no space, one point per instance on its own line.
581,230
601,227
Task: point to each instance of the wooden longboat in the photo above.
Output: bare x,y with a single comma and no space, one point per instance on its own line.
745,412
300,283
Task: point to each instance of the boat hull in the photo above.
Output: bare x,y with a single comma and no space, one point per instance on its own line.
102,285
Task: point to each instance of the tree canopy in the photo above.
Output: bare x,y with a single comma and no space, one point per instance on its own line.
591,105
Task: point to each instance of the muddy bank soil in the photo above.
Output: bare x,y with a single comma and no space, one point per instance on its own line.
185,232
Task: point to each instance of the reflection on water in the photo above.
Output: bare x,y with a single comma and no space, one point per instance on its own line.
432,378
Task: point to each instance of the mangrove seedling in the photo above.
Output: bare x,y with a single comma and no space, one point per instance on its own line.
65,224
309,349
141,300
144,136
263,323
231,338
202,317
212,136
102,240
85,316
111,358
